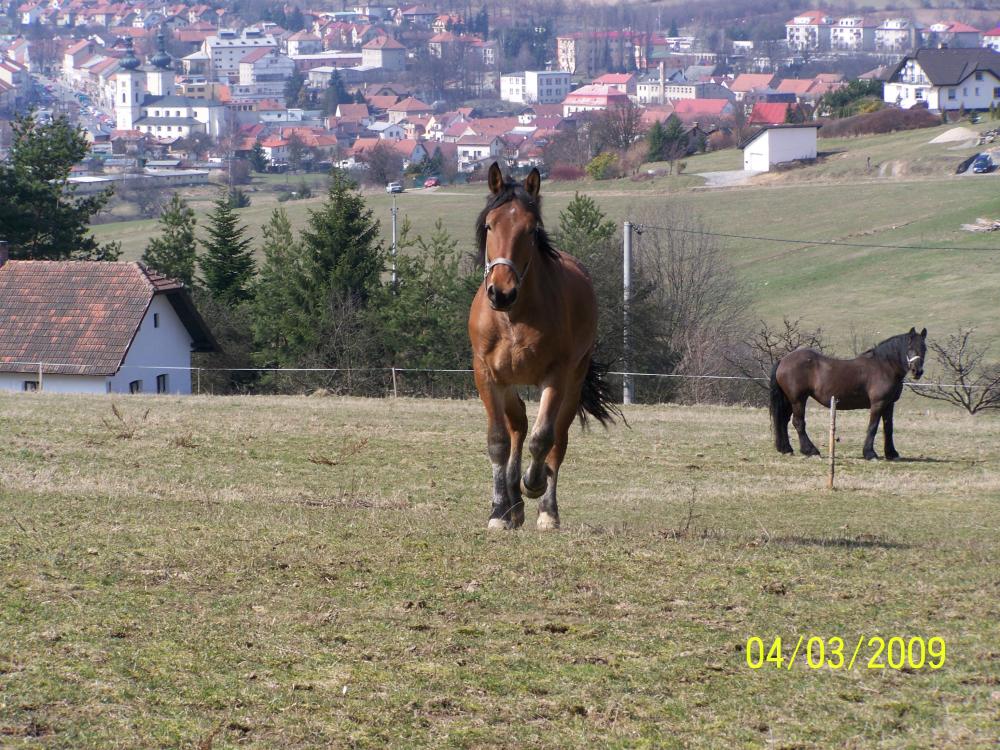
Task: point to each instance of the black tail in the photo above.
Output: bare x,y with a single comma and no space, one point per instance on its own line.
596,398
781,412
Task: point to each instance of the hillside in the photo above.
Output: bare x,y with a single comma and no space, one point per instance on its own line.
909,197
306,572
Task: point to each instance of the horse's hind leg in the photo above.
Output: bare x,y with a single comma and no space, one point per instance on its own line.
799,420
517,427
890,447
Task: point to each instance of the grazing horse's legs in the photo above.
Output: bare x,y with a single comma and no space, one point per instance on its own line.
497,445
799,420
878,407
890,448
543,436
517,427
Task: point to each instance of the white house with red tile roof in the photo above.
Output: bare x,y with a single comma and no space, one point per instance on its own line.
594,97
96,327
700,110
625,82
384,52
303,43
410,106
991,39
809,30
473,150
747,83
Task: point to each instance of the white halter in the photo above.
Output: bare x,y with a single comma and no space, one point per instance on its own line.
491,264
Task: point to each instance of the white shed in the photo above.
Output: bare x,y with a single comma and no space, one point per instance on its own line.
778,144
96,327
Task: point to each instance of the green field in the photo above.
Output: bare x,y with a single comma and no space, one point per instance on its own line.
315,572
909,197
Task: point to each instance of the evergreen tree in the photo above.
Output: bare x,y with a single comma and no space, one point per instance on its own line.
258,159
173,252
422,321
274,297
674,32
40,215
656,139
227,265
294,88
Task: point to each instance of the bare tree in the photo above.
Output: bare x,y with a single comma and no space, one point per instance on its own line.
765,345
145,193
704,303
618,127
384,164
975,383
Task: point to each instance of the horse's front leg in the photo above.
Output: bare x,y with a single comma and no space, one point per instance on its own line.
517,427
890,448
873,419
543,437
497,446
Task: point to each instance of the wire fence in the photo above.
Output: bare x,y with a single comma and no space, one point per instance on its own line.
420,382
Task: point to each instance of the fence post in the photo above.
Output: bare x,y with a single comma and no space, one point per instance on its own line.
197,372
627,392
40,376
395,393
833,440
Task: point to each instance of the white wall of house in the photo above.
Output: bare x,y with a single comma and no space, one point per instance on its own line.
14,381
162,340
777,146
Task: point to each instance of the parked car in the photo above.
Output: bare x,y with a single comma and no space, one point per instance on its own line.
431,182
394,187
983,163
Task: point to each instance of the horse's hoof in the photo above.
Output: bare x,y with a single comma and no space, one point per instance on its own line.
533,493
517,516
497,524
891,456
547,522
871,457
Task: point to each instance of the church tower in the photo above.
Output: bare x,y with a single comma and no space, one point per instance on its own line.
160,79
129,89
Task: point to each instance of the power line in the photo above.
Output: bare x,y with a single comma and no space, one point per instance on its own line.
833,243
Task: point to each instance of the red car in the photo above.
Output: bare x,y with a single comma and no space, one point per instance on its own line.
431,182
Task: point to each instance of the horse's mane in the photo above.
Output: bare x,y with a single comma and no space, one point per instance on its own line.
513,191
892,349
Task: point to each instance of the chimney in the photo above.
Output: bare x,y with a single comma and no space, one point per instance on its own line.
4,252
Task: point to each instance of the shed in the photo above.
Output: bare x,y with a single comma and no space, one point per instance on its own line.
96,327
778,144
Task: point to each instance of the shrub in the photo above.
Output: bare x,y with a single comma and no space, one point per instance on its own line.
886,120
721,139
566,173
601,167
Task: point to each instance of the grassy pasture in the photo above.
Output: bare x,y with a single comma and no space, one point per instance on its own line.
307,572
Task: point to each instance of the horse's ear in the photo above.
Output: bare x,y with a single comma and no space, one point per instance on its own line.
533,183
913,330
495,179
923,334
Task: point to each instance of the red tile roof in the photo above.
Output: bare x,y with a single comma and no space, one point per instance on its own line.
768,113
80,317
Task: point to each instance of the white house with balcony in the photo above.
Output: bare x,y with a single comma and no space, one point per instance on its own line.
896,35
809,30
472,150
852,34
946,80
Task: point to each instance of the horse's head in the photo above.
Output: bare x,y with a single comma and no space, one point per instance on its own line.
916,349
509,234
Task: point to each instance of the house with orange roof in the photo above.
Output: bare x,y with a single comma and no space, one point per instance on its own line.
381,103
702,110
593,98
407,108
625,82
769,113
746,83
383,52
991,39
475,150
303,43
809,30
952,34
412,151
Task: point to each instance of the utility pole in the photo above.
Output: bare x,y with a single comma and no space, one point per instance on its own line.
627,284
393,240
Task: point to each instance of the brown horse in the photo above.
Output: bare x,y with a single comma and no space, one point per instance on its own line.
533,322
873,380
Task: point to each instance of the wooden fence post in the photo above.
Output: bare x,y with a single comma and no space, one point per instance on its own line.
40,385
833,440
395,392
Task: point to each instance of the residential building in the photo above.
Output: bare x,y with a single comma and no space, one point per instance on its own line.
535,87
896,35
96,327
852,34
594,97
384,52
473,150
946,79
226,49
952,34
991,39
304,43
809,31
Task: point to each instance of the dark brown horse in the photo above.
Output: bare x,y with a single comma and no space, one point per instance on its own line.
873,380
533,322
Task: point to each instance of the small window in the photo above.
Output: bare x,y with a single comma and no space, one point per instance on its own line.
30,385
135,386
951,93
979,76
156,320
161,384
